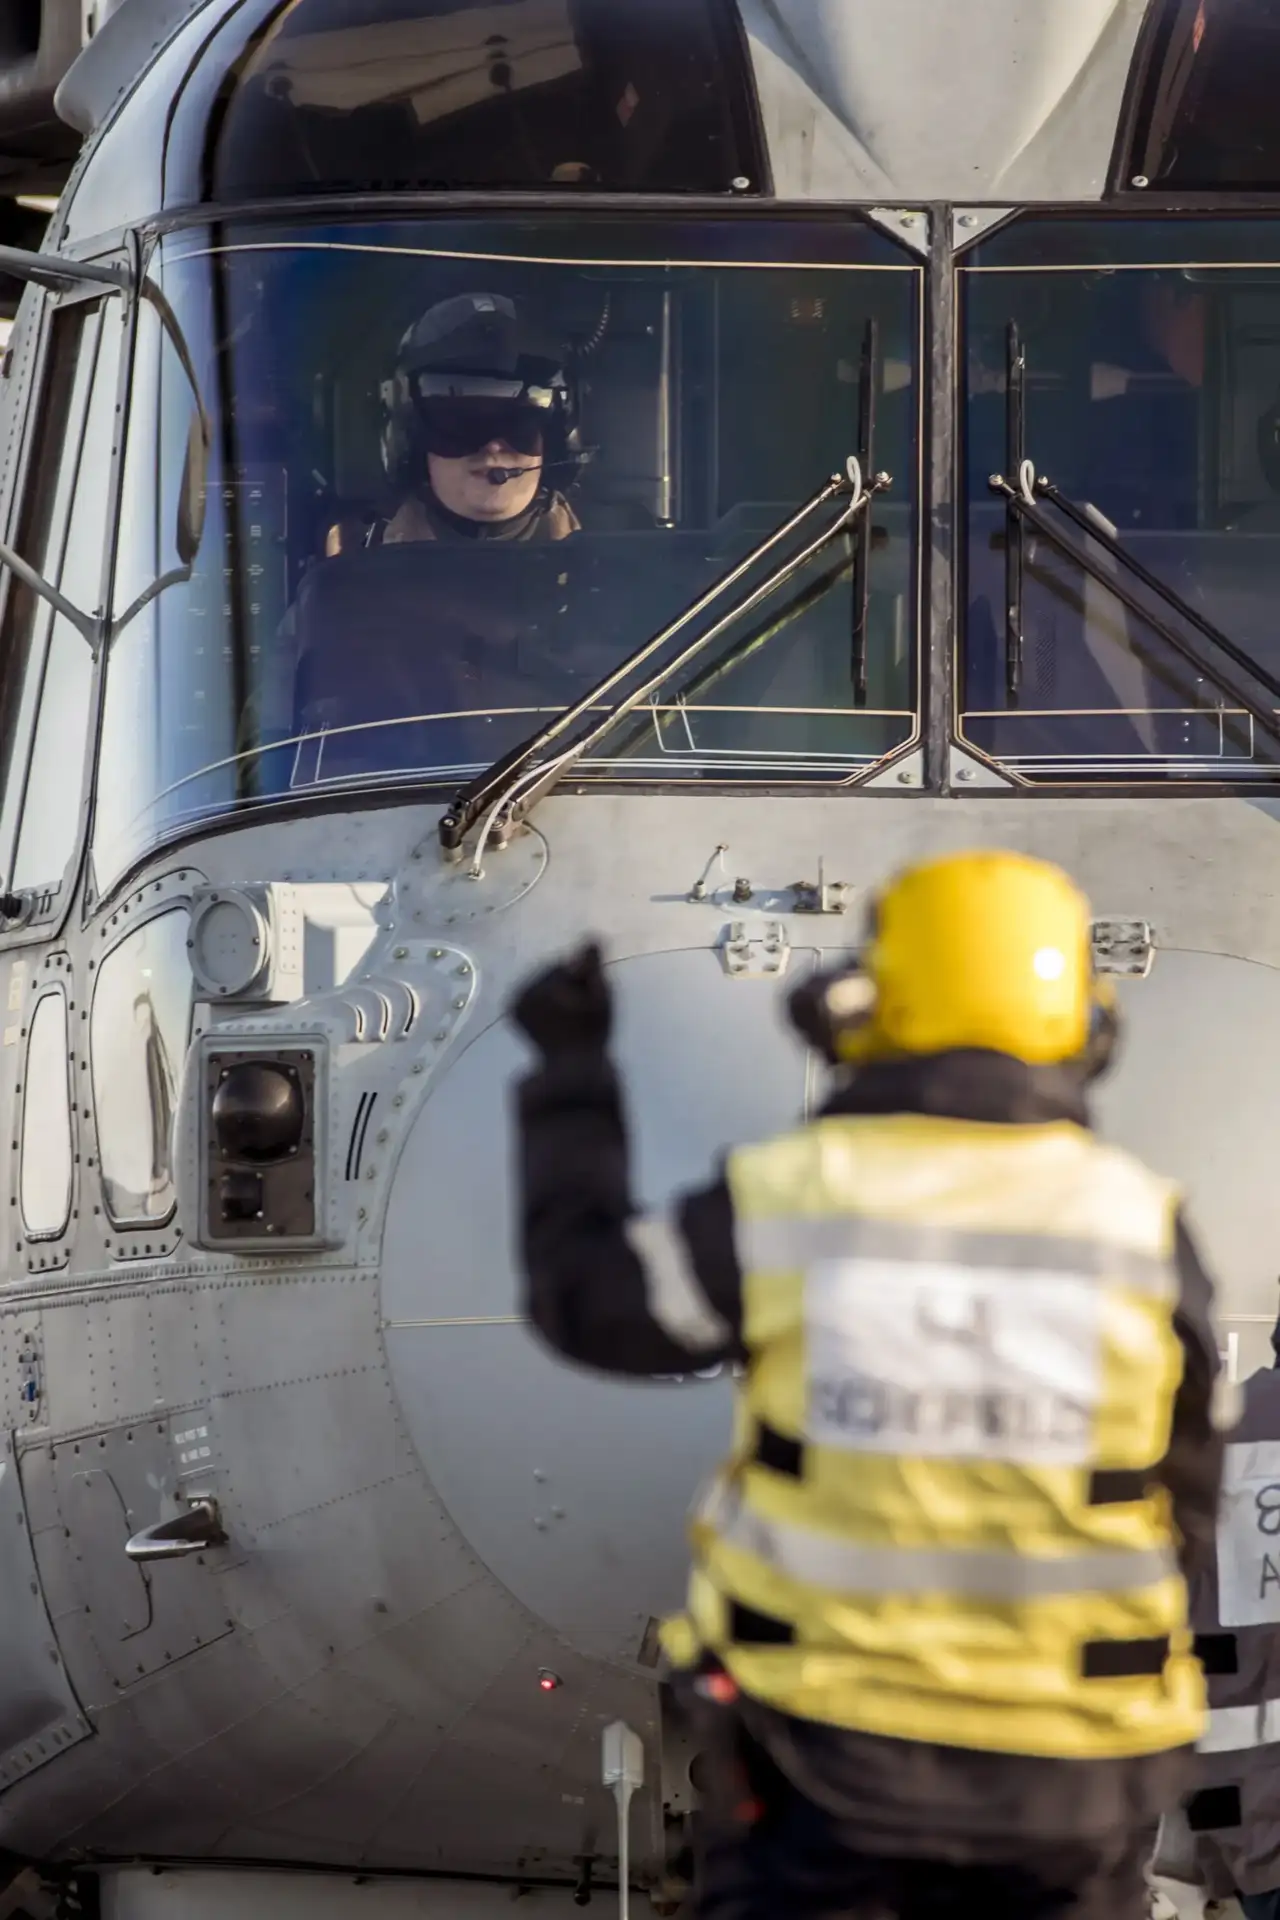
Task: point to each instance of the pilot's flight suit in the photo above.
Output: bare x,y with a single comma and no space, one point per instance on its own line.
938,1639
1234,1814
421,517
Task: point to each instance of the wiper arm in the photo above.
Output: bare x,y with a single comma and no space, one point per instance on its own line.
58,273
1024,496
518,780
1097,529
750,643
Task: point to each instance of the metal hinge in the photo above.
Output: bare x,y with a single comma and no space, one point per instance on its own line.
820,896
758,953
1123,946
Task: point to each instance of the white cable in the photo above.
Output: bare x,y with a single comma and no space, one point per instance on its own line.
528,778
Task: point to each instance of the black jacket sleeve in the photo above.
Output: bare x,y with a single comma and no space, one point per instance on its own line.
604,1287
1192,1467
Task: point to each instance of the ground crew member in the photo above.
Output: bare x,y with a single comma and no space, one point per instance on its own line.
937,1610
1234,1815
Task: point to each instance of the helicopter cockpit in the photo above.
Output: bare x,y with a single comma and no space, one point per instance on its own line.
718,347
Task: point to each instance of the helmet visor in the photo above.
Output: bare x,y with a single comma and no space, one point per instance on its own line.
454,428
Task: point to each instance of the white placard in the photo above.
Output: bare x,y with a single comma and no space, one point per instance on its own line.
1249,1535
915,1358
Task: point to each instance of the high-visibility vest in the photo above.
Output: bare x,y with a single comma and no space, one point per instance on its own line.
939,1520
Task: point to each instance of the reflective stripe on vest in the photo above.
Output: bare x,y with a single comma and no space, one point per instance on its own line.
788,1241
941,1520
843,1567
1232,1729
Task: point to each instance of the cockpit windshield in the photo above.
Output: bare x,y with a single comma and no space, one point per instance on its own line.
408,490
1130,371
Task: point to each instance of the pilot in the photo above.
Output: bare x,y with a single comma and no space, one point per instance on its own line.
936,1641
479,428
1233,1816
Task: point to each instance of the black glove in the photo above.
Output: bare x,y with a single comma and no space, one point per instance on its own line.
567,1009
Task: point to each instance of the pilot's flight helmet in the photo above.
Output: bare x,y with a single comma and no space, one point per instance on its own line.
988,950
471,370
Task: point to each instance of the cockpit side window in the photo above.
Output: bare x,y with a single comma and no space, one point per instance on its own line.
47,666
642,96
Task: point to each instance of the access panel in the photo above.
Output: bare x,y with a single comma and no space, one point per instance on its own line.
39,1713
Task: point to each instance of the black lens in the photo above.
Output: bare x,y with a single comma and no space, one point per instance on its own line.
455,428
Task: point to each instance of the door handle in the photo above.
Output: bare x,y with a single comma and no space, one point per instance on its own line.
189,1532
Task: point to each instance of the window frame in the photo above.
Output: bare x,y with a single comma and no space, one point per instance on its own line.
1003,781
173,895
52,899
897,769
47,1237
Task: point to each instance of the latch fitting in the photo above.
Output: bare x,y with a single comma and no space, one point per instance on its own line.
755,953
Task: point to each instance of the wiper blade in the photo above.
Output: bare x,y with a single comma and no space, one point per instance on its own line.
516,781
869,382
1024,497
1015,546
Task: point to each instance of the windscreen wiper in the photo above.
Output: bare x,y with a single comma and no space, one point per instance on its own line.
1015,543
517,781
749,643
1024,500
1025,490
869,386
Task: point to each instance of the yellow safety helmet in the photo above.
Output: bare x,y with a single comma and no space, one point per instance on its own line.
988,950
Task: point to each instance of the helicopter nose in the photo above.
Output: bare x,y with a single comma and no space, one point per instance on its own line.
572,1487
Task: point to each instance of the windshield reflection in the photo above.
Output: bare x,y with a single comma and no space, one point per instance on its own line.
1152,397
443,480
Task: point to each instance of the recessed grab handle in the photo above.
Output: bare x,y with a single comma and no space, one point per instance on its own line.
189,1532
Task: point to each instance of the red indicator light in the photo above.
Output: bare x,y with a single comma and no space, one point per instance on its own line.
547,1680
